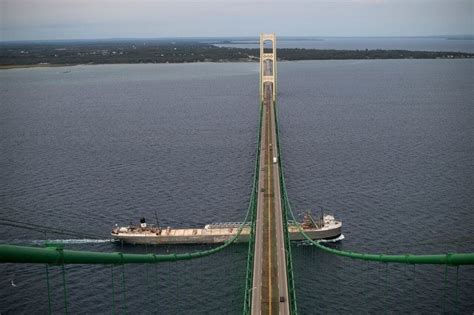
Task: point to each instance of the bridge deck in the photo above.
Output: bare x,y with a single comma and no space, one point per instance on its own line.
270,289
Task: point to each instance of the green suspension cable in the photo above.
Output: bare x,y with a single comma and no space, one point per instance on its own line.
286,209
124,288
457,296
454,259
147,280
156,289
177,288
53,255
169,288
386,287
113,288
445,298
253,207
64,288
414,285
367,280
49,289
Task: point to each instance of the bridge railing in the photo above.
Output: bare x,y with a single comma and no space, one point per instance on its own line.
251,246
289,258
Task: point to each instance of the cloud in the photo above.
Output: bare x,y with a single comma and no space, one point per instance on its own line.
61,19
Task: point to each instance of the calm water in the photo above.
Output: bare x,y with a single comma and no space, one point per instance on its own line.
405,43
386,146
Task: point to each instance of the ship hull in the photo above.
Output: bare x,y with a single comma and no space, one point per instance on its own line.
203,236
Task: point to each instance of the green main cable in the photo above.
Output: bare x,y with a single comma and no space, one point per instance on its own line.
55,255
250,255
452,259
289,258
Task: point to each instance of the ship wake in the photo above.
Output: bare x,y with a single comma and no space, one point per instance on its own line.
74,241
333,240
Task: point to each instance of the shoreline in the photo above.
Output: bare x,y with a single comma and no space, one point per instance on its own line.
12,67
53,65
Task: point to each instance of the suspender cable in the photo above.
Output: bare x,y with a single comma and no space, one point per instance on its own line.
113,288
63,271
49,290
124,289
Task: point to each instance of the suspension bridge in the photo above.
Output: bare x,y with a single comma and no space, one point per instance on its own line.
269,284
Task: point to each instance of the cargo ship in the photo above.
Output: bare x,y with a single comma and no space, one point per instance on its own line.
324,227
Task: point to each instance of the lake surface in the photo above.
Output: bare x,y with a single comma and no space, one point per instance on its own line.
361,43
385,145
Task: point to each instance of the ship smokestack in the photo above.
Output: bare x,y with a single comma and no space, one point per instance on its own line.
143,222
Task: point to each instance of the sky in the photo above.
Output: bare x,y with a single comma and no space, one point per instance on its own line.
89,19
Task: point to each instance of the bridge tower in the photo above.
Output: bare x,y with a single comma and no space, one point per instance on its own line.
267,64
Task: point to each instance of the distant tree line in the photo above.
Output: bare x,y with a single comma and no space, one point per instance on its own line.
317,54
160,51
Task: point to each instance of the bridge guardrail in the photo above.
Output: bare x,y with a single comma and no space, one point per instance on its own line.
289,259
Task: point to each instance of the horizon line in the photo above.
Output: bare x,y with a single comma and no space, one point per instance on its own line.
232,37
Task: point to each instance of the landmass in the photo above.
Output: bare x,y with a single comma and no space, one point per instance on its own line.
62,53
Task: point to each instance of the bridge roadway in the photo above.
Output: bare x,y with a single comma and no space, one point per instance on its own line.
270,286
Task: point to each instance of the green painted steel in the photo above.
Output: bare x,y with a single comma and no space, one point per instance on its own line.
113,289
63,272
289,259
57,255
454,259
451,259
249,272
48,288
251,246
